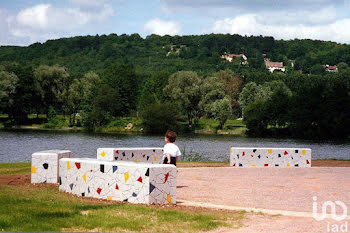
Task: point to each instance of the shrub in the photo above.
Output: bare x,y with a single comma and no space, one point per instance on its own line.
158,118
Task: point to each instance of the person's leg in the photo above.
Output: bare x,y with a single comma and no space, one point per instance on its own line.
173,160
165,161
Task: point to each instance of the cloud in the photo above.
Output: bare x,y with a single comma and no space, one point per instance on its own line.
249,24
43,21
250,5
160,27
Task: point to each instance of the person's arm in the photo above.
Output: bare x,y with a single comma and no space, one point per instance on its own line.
168,157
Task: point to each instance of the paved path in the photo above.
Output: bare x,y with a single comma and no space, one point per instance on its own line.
285,191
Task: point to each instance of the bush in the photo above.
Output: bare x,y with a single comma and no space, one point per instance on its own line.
158,118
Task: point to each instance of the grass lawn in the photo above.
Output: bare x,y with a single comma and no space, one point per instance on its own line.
41,207
212,126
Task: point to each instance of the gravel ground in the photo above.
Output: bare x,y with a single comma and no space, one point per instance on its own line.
289,189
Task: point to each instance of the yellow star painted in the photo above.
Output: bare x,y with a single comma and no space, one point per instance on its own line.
269,150
103,154
155,159
68,165
33,169
288,165
303,152
84,178
109,198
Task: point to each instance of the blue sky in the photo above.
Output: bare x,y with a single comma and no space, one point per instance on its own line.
23,22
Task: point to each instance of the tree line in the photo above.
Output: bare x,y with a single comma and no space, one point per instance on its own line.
290,104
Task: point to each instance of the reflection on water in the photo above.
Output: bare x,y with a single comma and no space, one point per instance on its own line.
17,146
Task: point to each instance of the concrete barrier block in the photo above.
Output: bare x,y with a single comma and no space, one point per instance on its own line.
119,180
270,157
45,165
146,155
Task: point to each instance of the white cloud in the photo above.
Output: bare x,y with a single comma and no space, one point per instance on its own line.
249,24
43,21
160,27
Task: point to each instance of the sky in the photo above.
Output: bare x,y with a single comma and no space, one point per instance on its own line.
23,22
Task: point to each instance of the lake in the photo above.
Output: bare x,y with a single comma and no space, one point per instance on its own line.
18,145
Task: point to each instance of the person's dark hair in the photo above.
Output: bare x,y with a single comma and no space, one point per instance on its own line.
171,135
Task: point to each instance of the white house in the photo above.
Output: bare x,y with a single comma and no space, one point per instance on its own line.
272,66
331,69
230,57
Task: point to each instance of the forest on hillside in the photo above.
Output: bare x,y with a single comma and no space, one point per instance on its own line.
166,80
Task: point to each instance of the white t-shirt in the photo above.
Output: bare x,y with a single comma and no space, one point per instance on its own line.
172,149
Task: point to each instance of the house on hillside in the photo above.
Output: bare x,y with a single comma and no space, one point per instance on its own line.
331,69
272,66
229,57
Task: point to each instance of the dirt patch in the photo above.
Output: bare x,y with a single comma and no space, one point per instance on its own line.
15,180
199,164
330,163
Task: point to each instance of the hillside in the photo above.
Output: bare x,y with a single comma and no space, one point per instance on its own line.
200,53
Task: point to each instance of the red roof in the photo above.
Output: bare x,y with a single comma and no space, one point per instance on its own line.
274,64
235,55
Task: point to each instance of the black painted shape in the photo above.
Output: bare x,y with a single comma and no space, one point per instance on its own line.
102,168
276,165
296,165
259,156
151,188
296,151
83,194
237,156
241,165
134,194
292,157
154,150
116,158
46,166
60,181
124,153
267,157
254,150
115,168
71,186
147,157
279,156
132,155
147,172
88,189
45,181
126,200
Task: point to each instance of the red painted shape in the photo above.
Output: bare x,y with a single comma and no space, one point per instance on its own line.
243,154
234,165
252,155
139,179
166,177
90,170
116,186
266,164
77,165
143,155
99,191
285,152
117,152
307,161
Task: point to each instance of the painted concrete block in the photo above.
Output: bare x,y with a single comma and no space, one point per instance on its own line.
45,165
146,155
270,157
119,180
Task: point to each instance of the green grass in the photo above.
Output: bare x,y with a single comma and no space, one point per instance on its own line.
42,207
119,124
14,168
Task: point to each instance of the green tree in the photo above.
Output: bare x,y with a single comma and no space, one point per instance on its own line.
152,90
211,90
8,85
53,82
184,88
159,117
222,111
